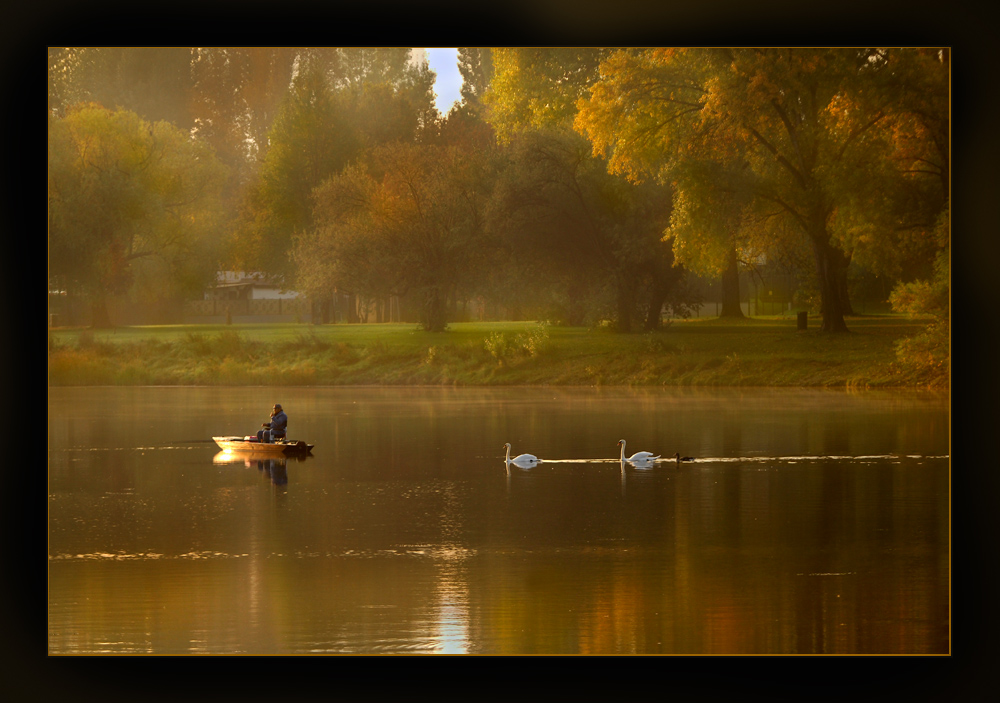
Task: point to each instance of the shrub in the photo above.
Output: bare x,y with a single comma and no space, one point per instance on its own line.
308,341
499,346
926,355
534,341
430,356
229,343
505,347
655,344
928,352
344,353
197,343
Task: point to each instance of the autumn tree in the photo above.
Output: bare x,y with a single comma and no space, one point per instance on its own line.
897,187
796,126
225,96
538,87
405,220
132,205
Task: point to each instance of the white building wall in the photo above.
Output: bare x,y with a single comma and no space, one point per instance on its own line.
258,293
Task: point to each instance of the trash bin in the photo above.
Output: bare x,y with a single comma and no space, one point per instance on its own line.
802,321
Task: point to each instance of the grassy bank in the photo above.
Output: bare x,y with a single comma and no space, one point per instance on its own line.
706,351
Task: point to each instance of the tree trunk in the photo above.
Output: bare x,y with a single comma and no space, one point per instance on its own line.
352,308
831,269
845,296
663,283
99,318
655,308
731,288
626,303
576,313
434,312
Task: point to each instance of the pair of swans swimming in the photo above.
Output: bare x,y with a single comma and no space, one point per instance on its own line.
526,461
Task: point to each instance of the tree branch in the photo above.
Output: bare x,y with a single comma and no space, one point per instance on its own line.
779,157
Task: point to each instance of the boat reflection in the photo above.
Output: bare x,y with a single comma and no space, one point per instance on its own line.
273,468
248,460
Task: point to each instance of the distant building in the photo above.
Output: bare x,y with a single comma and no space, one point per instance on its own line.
238,285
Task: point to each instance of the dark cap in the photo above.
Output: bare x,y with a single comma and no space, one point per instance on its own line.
277,406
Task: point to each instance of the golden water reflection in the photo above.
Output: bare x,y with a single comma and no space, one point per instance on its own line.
431,546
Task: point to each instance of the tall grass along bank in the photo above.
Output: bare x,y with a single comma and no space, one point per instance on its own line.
703,352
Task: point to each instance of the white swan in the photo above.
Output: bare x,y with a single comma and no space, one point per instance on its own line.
642,457
525,461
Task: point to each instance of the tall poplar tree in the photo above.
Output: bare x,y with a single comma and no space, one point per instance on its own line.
342,102
475,64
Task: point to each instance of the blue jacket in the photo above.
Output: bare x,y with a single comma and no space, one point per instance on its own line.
279,423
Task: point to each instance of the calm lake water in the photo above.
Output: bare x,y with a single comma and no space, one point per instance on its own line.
811,522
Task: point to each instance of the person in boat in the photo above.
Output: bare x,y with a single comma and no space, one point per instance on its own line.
276,428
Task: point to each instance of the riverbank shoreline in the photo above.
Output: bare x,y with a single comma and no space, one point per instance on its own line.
758,352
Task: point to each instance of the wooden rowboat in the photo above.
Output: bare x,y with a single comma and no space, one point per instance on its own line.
250,445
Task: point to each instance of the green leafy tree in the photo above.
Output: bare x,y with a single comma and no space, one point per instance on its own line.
475,64
560,206
562,194
708,226
133,206
310,140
